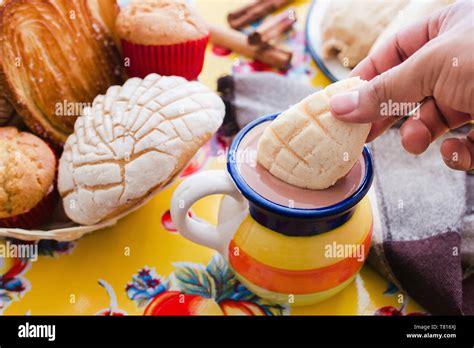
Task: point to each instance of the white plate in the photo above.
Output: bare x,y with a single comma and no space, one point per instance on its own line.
331,67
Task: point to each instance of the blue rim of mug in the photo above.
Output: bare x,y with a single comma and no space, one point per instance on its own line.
299,213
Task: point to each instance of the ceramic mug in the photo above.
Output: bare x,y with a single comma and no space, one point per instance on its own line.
277,252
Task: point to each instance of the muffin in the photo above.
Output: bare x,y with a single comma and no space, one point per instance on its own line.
167,37
27,177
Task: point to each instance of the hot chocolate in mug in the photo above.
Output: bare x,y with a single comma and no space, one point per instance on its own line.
286,244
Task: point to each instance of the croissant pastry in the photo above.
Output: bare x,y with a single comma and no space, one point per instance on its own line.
56,56
6,111
349,28
106,11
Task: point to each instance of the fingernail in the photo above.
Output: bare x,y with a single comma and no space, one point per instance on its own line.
447,161
344,103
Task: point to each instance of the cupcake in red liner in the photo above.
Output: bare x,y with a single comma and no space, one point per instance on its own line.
185,59
28,195
37,216
164,37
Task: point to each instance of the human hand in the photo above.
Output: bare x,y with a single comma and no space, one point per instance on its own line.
430,61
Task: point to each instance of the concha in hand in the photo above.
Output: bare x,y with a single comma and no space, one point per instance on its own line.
306,146
133,141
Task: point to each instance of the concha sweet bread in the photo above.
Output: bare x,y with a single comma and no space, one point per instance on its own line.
350,27
415,10
133,141
56,55
306,146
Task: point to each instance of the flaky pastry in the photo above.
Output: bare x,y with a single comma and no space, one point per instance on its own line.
56,55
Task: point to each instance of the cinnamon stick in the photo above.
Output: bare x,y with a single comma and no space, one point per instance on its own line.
238,42
250,13
273,28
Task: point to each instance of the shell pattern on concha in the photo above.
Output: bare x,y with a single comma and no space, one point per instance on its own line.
133,141
306,146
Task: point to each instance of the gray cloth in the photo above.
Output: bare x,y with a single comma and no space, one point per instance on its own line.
422,196
280,93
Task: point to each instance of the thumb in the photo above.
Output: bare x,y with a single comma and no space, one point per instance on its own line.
388,94
459,153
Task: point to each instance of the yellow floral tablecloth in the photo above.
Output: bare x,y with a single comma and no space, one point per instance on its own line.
142,266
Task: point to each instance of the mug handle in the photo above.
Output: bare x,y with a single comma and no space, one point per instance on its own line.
190,191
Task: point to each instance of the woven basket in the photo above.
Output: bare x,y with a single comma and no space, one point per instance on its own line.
64,230
57,231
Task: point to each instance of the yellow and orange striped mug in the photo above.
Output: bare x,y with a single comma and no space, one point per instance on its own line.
284,254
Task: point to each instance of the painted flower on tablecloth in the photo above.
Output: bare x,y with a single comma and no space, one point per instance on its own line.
55,248
48,247
392,290
222,142
13,284
196,289
167,222
145,285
